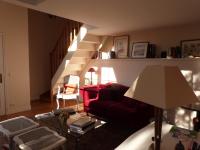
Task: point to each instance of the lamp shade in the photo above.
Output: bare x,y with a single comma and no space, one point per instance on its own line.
91,70
162,86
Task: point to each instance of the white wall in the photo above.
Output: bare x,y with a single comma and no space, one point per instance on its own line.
44,32
14,26
126,70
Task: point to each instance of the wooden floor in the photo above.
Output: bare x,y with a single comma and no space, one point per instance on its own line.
38,107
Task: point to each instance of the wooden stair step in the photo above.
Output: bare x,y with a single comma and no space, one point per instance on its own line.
86,54
86,46
89,38
78,60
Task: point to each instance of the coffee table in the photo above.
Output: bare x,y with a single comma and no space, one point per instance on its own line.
53,122
77,136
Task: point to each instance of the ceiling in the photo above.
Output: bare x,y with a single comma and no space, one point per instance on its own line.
120,16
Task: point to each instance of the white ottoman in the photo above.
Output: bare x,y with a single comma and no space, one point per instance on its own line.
14,126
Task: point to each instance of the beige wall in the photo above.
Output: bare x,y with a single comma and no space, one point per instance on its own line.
165,38
126,70
43,34
14,26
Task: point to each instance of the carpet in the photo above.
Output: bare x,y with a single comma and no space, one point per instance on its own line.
107,137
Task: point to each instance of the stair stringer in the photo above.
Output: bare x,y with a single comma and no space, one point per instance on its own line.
79,55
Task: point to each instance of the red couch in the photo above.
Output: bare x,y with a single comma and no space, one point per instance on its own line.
108,102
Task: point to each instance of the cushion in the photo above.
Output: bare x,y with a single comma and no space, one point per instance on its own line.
113,92
70,88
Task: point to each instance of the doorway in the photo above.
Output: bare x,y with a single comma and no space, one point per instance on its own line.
2,82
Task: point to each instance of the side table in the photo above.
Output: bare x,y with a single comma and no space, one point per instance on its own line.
141,140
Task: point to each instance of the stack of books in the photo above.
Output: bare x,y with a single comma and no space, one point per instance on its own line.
82,125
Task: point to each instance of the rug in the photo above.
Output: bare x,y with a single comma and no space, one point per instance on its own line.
107,137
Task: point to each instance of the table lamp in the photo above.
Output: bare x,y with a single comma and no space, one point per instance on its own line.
163,87
91,70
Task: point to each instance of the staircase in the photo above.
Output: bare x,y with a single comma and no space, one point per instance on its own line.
82,49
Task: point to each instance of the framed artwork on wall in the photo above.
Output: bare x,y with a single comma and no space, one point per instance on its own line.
121,46
190,48
139,50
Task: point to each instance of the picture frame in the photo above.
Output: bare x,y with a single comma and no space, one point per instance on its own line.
190,48
121,46
139,50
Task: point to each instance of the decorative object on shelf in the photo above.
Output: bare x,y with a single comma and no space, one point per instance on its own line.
63,116
190,48
112,54
95,55
121,46
139,50
151,52
175,52
179,146
167,93
196,122
91,70
163,54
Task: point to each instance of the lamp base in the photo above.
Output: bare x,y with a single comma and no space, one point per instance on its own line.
158,127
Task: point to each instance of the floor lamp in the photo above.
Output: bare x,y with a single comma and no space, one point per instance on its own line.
163,87
91,70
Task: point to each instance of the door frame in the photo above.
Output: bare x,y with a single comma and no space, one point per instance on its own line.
3,101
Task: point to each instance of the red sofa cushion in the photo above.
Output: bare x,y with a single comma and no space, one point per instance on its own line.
113,92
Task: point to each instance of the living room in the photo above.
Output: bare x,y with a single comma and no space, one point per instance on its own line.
22,86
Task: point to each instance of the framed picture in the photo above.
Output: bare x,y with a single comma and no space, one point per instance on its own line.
190,48
121,46
139,50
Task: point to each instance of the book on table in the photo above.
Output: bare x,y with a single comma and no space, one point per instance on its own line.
82,125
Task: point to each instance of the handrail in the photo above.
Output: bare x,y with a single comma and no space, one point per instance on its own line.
70,31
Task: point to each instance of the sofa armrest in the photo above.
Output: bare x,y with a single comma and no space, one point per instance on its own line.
89,94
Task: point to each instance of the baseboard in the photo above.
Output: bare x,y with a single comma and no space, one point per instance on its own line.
16,109
35,98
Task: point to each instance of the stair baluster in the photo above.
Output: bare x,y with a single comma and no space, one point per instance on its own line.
70,31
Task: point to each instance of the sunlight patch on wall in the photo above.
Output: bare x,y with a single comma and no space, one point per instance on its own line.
74,45
108,75
196,81
66,63
184,118
188,76
105,55
83,32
